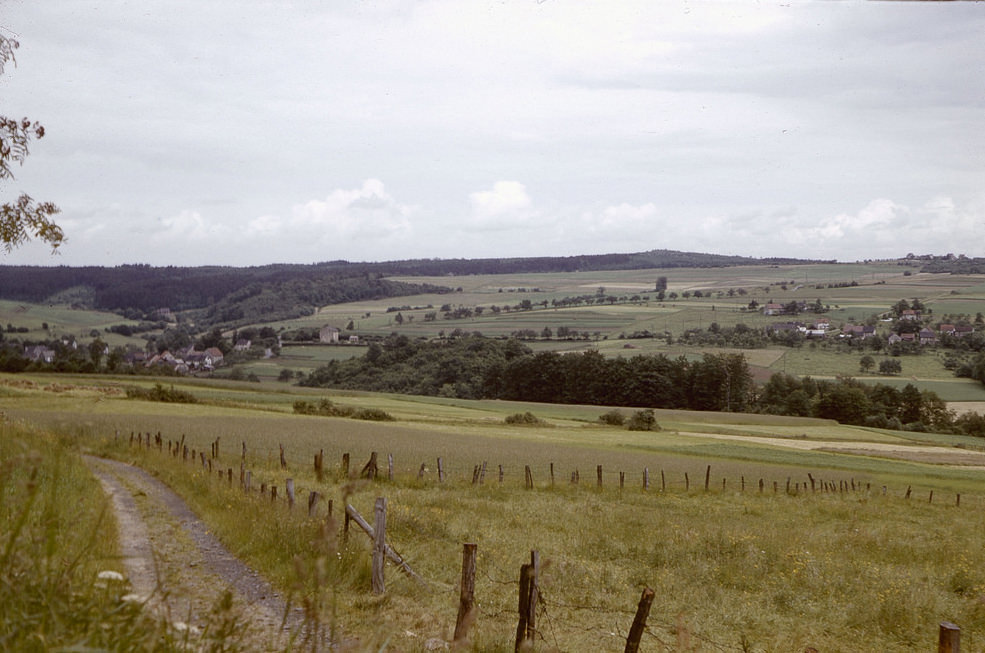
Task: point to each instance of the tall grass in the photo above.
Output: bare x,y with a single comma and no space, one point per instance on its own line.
61,583
768,572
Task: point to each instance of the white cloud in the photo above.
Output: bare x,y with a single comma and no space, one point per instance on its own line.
189,225
365,212
505,206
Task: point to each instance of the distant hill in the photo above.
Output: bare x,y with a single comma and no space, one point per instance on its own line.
230,296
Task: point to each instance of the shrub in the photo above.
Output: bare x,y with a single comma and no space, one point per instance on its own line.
523,419
613,418
643,420
160,393
326,408
373,415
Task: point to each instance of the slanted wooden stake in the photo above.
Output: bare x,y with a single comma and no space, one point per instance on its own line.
389,466
598,473
707,477
345,465
646,479
379,546
441,470
466,603
639,622
283,460
370,468
313,499
420,472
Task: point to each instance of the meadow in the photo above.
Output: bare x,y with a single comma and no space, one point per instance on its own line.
734,568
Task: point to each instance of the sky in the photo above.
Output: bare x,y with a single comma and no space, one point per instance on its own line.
246,133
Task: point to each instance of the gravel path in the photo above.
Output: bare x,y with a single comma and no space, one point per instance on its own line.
169,555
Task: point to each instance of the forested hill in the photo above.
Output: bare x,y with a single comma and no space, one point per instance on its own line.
657,258
208,295
230,296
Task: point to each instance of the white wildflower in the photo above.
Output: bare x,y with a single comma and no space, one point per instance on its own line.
110,575
133,598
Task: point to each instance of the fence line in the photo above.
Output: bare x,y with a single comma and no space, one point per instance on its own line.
531,600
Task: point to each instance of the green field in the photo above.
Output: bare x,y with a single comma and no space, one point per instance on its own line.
734,568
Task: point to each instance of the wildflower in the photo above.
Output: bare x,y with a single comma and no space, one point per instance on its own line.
133,598
182,627
110,575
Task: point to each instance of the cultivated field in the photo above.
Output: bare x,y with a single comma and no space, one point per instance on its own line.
873,557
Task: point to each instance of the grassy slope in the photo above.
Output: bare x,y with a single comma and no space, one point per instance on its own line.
841,572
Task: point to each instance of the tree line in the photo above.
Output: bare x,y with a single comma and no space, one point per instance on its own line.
473,367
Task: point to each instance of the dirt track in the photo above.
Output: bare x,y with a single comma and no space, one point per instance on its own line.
170,556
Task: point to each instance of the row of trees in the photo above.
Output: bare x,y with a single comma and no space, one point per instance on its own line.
479,368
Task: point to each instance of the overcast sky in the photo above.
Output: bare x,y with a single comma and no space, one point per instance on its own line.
245,133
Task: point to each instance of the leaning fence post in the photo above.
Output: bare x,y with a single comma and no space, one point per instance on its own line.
441,470
389,466
283,460
598,473
707,477
379,546
949,638
639,622
313,499
289,483
466,601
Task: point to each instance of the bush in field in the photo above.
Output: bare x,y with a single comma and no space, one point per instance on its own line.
326,408
613,418
160,393
643,420
373,415
523,419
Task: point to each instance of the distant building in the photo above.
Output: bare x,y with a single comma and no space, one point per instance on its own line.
328,335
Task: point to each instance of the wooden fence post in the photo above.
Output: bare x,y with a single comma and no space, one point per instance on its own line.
598,473
687,482
441,470
482,474
522,608
289,483
949,638
528,478
552,474
466,601
379,546
639,622
313,499
345,465
622,480
283,460
500,473
646,479
526,627
663,482
318,464
389,466
707,477
248,482
420,472
244,450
